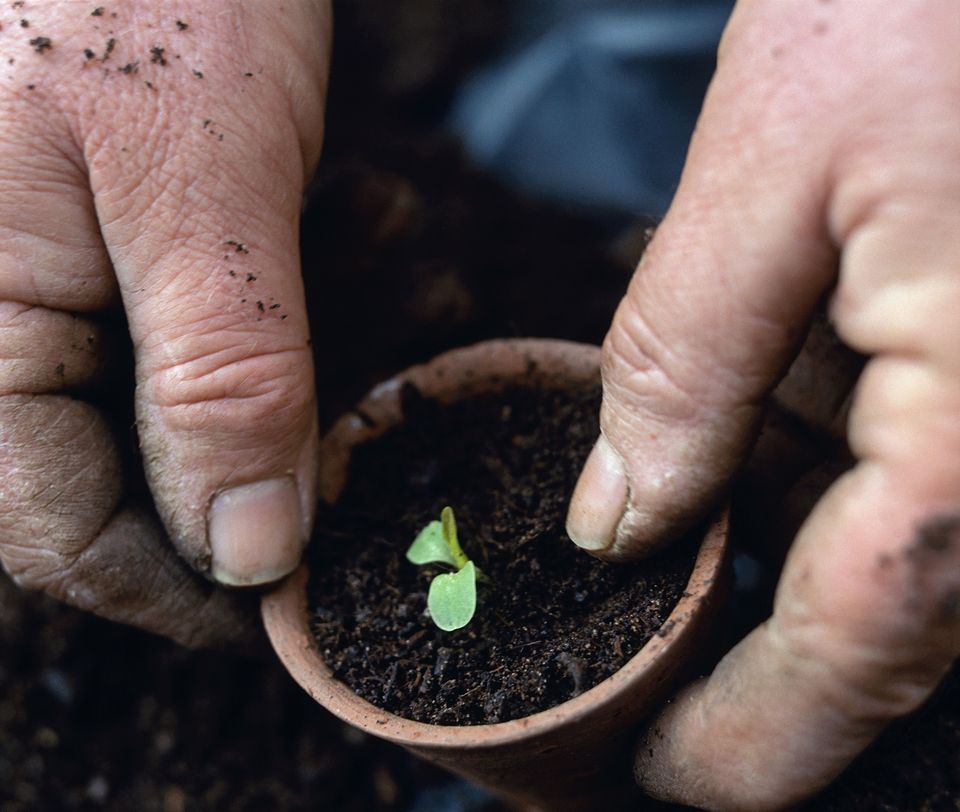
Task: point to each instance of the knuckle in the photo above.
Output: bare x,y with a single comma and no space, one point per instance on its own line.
60,480
239,386
50,247
929,599
45,350
33,566
51,252
640,370
83,578
904,414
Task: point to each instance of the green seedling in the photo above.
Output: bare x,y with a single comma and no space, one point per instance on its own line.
452,599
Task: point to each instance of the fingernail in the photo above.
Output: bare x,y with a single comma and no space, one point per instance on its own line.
255,532
599,499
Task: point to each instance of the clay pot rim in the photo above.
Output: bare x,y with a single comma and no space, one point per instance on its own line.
285,610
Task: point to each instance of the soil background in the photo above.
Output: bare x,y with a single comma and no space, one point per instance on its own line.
406,251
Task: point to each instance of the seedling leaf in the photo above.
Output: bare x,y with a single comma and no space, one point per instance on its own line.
429,547
449,524
452,599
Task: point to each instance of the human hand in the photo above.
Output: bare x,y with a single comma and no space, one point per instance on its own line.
153,156
827,155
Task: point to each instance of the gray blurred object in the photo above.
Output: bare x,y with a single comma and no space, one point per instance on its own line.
456,796
594,101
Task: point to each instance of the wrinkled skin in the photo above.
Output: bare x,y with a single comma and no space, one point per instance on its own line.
826,162
827,156
115,193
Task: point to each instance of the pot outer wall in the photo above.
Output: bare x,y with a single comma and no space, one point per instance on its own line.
578,755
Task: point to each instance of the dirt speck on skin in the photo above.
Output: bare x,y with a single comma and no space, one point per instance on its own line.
198,74
939,534
41,44
551,620
24,23
157,55
111,44
950,607
181,25
97,12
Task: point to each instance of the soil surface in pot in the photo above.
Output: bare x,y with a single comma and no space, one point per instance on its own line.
551,621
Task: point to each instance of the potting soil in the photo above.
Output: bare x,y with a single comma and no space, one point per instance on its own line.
551,621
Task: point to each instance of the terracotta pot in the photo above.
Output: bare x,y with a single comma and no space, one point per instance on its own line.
576,755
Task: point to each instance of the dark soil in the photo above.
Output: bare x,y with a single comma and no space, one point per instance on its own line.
95,715
551,622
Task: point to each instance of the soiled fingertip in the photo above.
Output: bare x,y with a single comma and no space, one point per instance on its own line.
599,499
255,532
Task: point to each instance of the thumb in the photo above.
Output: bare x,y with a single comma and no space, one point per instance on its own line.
201,224
715,312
